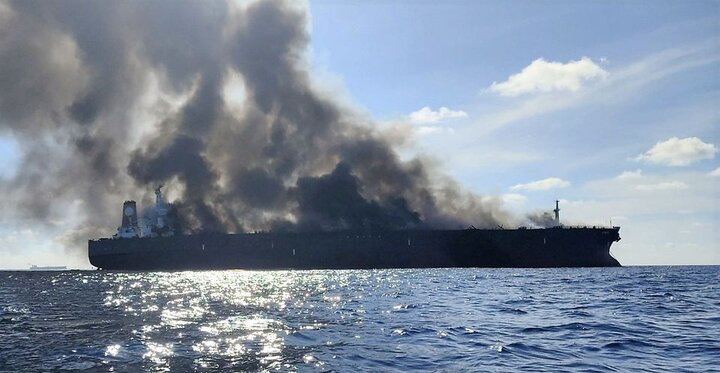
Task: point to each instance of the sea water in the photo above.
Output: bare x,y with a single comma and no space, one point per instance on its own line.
604,319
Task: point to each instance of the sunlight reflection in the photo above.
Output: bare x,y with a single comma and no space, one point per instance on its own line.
239,316
157,352
112,350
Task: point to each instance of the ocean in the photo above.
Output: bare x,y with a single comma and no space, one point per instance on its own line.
457,320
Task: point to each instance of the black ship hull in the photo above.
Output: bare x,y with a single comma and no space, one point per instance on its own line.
551,247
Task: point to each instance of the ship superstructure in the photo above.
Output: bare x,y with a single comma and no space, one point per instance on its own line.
155,221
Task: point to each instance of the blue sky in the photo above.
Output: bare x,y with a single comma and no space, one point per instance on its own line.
437,52
609,106
658,79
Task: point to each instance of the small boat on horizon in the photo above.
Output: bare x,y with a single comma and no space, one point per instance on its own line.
47,268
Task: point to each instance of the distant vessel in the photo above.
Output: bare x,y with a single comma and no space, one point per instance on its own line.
152,245
47,268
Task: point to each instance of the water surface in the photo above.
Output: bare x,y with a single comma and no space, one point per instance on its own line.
605,319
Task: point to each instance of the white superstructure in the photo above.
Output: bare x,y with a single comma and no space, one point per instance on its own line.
155,220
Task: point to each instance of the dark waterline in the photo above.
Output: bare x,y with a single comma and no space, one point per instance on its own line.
602,319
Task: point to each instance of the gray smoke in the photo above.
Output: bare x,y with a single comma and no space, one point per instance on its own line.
541,219
109,99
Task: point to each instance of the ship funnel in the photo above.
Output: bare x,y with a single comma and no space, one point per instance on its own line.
129,227
557,213
129,219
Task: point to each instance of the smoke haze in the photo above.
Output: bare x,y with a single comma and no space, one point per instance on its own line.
109,99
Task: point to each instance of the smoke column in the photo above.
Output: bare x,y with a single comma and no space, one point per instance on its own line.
109,99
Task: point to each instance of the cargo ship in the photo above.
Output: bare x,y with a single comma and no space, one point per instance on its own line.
46,268
152,245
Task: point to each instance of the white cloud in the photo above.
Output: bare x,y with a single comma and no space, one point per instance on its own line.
433,130
715,173
678,152
513,198
628,175
544,184
542,76
427,115
668,185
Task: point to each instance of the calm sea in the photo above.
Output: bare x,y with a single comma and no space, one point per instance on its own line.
612,319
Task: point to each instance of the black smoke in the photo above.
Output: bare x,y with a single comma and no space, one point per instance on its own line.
109,99
334,201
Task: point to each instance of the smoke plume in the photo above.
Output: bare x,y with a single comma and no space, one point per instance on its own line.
541,219
109,99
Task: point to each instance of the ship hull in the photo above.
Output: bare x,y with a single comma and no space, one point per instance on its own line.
552,247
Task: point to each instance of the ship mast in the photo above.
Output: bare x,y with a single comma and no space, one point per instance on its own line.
158,195
557,212
160,208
